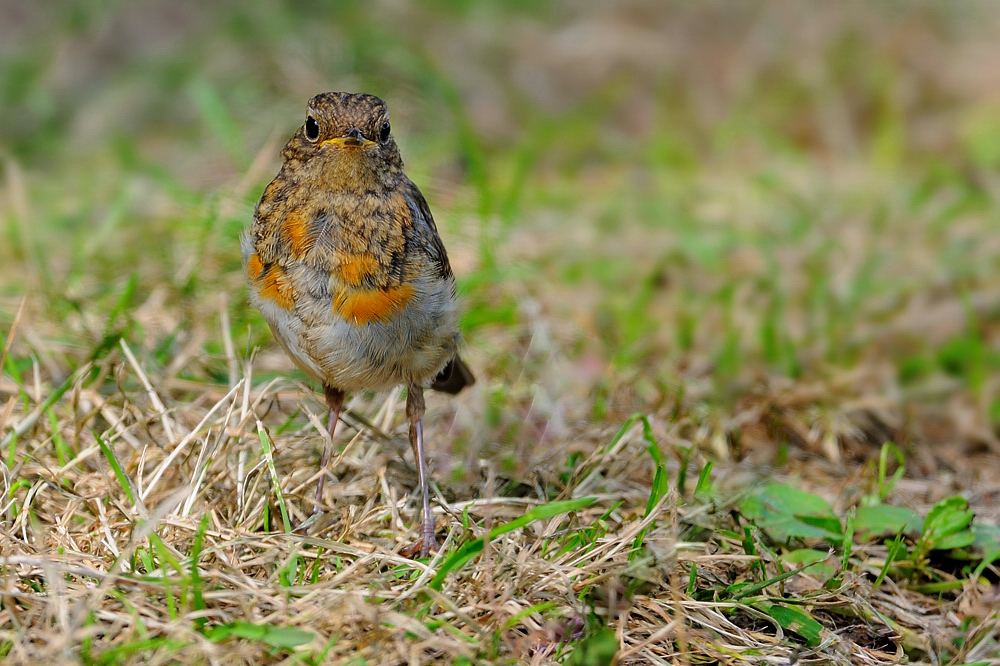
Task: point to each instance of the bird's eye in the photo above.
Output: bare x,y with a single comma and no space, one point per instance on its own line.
383,134
312,128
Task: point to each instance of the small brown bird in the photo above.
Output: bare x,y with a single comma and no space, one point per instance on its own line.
346,266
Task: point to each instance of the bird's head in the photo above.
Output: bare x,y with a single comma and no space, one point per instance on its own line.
346,142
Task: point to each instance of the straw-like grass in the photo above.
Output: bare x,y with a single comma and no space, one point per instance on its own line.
730,285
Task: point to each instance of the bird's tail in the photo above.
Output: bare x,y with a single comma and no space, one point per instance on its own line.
455,377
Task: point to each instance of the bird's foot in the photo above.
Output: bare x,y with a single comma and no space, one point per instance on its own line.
424,545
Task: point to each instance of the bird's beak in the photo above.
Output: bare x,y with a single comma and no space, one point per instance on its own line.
353,138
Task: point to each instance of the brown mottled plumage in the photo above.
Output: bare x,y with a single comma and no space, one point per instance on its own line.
346,265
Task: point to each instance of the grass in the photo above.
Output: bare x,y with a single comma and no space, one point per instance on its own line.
730,285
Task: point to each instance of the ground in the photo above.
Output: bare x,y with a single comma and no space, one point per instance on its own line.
730,275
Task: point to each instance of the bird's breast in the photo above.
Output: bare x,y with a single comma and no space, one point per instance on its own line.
361,306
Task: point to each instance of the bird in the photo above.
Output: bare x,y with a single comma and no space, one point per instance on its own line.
345,264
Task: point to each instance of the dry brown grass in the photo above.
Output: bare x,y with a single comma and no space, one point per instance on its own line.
770,229
78,551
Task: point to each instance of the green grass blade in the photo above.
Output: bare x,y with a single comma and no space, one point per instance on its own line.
280,637
197,588
265,444
750,590
895,547
884,488
116,467
459,558
29,421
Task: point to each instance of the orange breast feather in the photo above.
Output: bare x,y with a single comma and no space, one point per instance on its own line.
363,306
295,232
354,269
271,282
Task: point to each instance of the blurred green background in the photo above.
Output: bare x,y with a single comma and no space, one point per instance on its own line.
774,222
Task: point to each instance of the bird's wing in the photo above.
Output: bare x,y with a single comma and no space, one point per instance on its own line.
428,234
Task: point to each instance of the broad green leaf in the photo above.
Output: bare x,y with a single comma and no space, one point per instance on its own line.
947,517
788,499
797,620
595,650
811,561
829,524
786,513
883,519
987,540
987,537
802,556
956,540
753,507
805,556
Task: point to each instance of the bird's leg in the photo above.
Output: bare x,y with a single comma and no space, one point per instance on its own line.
335,400
415,412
